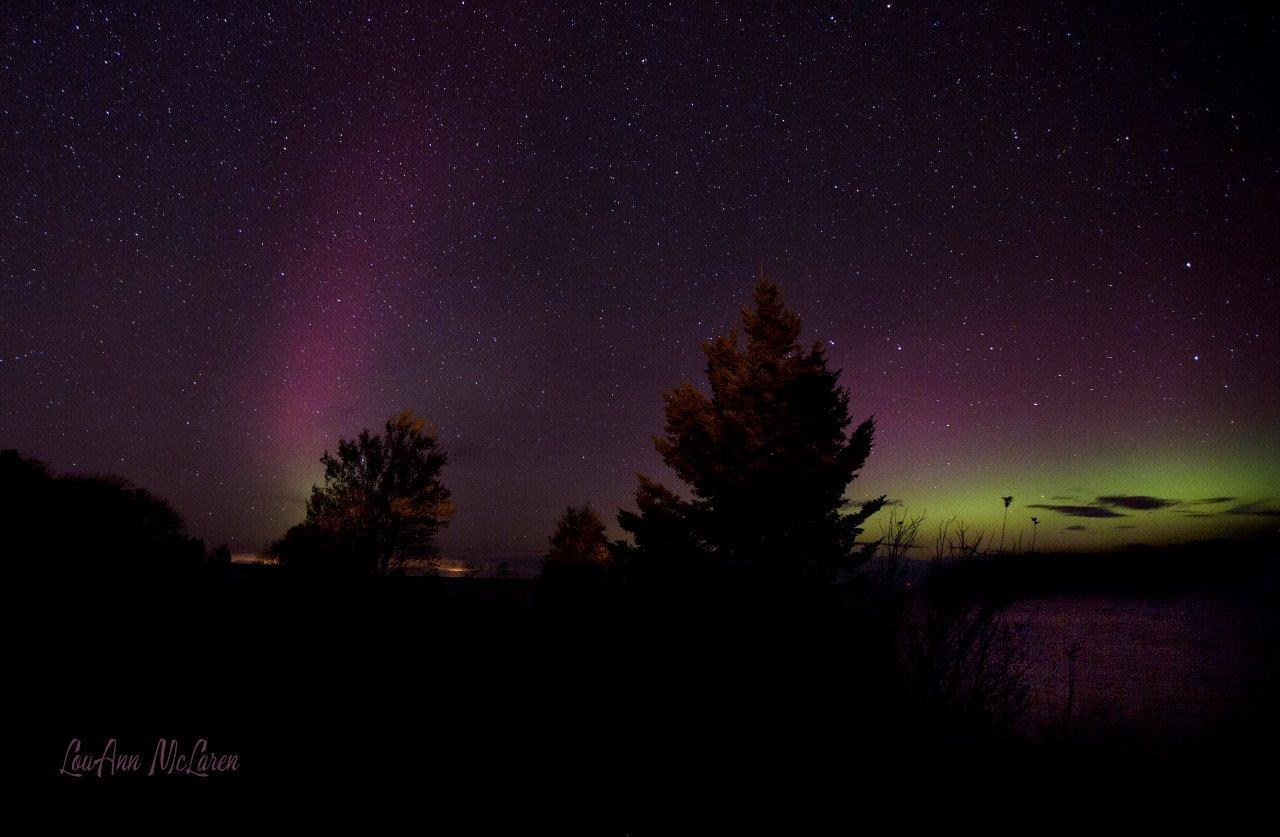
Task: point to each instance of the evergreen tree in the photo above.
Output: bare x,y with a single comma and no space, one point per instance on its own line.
579,538
578,552
767,458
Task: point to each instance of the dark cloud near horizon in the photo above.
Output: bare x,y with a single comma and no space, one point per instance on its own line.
1077,511
1136,502
1258,508
1254,508
1107,504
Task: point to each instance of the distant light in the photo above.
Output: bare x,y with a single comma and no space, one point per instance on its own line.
1188,264
1196,358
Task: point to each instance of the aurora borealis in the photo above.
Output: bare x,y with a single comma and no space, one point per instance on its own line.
1042,245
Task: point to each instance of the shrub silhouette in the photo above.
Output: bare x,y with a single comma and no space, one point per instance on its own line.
578,548
312,549
767,457
579,538
380,506
89,522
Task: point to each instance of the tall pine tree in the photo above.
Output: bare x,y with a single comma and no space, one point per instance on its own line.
767,458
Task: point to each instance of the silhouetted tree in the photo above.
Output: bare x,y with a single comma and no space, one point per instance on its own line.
579,538
380,507
26,500
578,546
767,457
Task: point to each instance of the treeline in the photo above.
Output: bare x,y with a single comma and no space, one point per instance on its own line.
71,523
766,457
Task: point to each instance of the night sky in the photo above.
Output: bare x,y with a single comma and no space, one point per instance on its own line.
1043,247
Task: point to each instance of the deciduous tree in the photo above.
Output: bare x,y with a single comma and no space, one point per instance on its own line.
382,499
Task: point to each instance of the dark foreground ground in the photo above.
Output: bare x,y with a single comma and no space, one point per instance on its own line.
479,700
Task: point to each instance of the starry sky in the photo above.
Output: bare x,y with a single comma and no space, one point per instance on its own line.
1041,244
